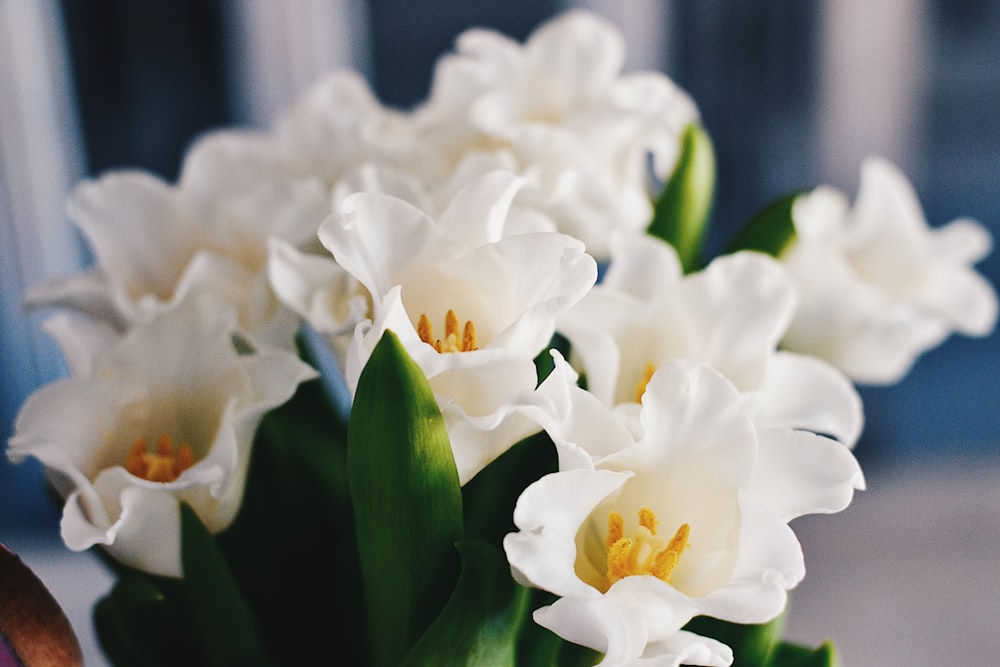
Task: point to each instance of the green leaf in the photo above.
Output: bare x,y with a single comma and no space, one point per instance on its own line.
406,497
771,230
479,625
753,645
681,213
488,499
137,624
544,364
222,620
287,547
794,655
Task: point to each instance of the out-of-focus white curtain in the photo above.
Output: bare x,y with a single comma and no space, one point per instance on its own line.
40,159
277,49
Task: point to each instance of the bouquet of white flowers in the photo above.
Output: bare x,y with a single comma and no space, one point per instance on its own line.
457,386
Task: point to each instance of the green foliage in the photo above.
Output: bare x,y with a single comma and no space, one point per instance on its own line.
223,622
793,655
407,500
479,625
202,620
291,547
490,496
771,230
681,212
137,625
762,645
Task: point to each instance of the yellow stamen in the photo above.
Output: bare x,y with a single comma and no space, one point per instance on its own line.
640,389
647,519
164,465
450,324
455,340
616,529
424,329
647,553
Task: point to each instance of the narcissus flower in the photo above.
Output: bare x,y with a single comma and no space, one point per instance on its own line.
559,107
158,244
472,306
639,535
879,286
729,315
163,415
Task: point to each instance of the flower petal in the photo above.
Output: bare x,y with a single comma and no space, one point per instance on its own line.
141,233
316,288
803,392
146,534
548,515
800,473
769,563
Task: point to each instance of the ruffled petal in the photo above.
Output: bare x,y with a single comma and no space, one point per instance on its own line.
803,392
139,230
548,515
800,473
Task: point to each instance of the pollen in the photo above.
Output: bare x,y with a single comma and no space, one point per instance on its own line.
646,552
456,339
640,388
164,464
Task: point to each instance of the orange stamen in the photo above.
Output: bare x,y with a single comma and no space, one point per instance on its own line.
164,465
455,340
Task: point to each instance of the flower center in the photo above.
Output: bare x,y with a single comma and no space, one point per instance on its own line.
647,553
640,388
454,340
165,464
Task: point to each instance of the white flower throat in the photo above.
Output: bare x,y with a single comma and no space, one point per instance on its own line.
164,464
647,552
647,375
454,340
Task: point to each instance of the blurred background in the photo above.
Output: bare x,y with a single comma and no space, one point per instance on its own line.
793,93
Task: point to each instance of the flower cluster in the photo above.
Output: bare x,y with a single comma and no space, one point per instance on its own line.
540,368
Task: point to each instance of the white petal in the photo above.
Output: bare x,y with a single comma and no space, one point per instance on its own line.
548,515
225,163
803,392
963,298
642,266
694,411
381,178
687,648
617,632
800,473
378,237
487,198
962,241
316,288
769,563
541,275
62,424
742,304
146,535
89,292
580,425
81,340
138,229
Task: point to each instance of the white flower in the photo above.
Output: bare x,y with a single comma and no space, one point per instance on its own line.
157,245
729,315
472,307
165,414
639,535
338,125
559,106
878,286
